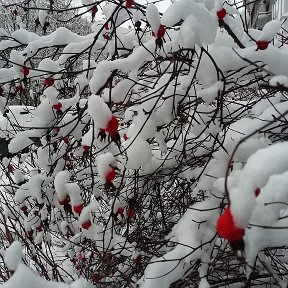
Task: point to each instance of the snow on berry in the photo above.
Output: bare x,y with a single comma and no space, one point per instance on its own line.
101,114
153,18
269,31
74,192
42,15
105,164
259,167
85,218
61,179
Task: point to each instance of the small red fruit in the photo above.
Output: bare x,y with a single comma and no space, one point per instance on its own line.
69,166
129,4
130,213
94,10
112,125
161,31
110,175
86,148
106,36
49,82
262,45
24,209
226,227
86,224
64,200
125,137
66,140
257,191
25,71
120,210
10,168
78,208
57,106
29,233
106,26
221,13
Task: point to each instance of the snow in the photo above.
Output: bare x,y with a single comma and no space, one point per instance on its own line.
103,164
138,152
177,108
255,174
99,111
42,15
199,25
13,255
270,30
153,18
25,277
61,179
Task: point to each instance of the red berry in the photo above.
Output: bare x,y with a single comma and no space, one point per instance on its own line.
66,140
221,13
57,106
226,227
10,168
49,82
129,4
64,200
94,10
120,210
24,209
130,213
25,71
69,166
110,176
257,191
107,36
38,228
262,45
86,224
78,208
161,31
106,26
125,137
29,233
86,148
112,125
